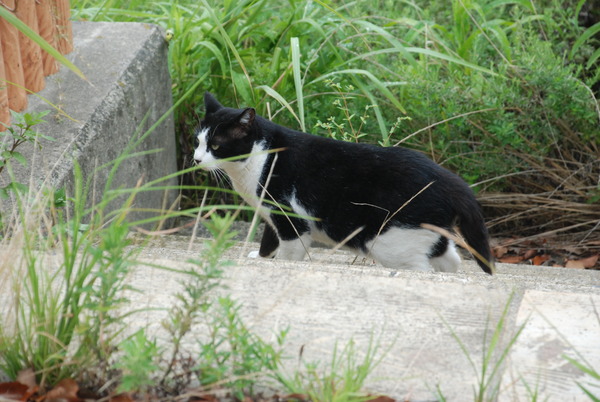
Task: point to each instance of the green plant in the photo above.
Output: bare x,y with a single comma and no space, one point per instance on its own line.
493,358
349,126
63,307
137,364
19,132
232,356
342,380
195,301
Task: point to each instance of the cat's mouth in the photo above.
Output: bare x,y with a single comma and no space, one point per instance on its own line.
209,166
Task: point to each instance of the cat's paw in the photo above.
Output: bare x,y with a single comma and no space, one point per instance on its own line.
253,254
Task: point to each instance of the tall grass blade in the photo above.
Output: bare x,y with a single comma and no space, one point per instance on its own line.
451,59
295,45
275,95
376,82
225,36
586,35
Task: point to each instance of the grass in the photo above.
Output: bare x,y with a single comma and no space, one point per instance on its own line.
340,380
495,352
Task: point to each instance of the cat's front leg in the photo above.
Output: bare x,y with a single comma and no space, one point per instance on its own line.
295,249
268,244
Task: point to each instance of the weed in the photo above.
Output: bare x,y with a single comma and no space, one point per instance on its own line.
19,132
137,364
232,355
490,371
342,381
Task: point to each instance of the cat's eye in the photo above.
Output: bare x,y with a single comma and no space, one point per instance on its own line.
214,147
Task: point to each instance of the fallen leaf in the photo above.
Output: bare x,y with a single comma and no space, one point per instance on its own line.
27,377
381,399
511,259
499,251
65,391
14,391
529,254
121,398
540,259
583,263
297,397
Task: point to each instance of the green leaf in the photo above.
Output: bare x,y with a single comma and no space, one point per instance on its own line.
452,59
593,58
295,45
31,34
15,187
587,34
275,95
18,157
376,82
242,86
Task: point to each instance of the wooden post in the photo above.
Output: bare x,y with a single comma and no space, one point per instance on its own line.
63,25
47,30
4,112
9,38
31,54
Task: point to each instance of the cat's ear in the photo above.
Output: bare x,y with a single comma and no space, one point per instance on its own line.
244,123
247,117
211,104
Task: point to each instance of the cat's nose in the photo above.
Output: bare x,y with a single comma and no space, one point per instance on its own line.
197,157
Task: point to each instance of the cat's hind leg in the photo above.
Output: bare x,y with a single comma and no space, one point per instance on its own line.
403,248
444,257
295,249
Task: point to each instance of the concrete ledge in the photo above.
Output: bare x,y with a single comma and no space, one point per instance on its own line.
414,316
129,89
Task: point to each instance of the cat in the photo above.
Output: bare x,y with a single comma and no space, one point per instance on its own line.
310,188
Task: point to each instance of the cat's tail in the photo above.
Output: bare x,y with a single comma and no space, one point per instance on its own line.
472,228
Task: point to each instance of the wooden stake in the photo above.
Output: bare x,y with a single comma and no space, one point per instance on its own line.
63,25
31,54
9,39
4,111
47,29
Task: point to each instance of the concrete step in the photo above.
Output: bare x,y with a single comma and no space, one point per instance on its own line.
416,318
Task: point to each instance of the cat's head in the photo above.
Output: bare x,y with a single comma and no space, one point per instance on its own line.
223,133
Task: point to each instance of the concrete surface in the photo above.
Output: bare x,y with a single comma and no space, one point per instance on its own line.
416,318
129,89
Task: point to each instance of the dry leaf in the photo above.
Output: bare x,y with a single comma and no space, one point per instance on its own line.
381,399
529,254
121,398
65,391
27,377
511,259
583,263
499,251
540,259
297,397
14,391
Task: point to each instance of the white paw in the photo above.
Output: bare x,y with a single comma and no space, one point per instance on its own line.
253,254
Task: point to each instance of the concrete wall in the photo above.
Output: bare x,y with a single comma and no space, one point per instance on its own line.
128,90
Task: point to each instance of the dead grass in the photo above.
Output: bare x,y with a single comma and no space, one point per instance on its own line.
558,197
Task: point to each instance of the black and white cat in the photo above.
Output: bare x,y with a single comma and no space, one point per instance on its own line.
372,198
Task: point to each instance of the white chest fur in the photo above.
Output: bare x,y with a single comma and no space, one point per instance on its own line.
245,175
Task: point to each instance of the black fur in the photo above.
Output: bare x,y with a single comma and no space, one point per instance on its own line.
348,185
